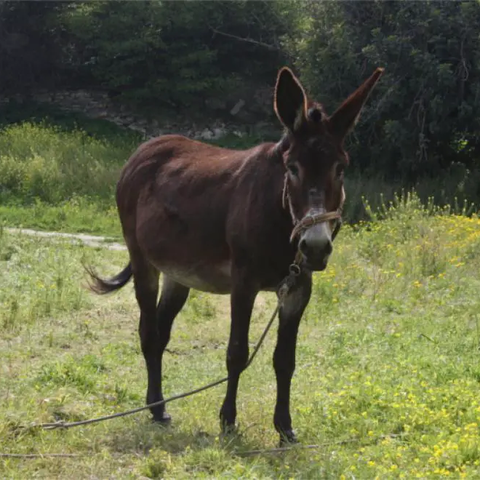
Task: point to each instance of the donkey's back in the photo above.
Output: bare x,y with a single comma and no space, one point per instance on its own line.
176,197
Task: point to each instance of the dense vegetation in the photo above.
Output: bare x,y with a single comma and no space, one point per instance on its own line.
424,118
59,173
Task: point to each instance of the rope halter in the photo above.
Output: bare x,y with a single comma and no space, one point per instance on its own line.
309,220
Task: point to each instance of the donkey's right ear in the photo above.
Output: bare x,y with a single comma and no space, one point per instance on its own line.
290,102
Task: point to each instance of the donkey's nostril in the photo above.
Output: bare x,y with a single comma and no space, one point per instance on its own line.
328,248
303,246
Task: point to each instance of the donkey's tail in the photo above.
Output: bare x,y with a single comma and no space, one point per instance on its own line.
103,286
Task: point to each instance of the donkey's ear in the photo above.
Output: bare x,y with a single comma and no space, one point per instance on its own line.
290,100
346,116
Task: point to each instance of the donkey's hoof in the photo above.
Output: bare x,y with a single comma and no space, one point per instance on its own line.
229,429
162,419
288,438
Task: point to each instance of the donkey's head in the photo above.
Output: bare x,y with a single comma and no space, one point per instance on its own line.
315,160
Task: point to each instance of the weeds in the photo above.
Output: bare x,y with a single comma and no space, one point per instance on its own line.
388,345
389,342
60,174
47,164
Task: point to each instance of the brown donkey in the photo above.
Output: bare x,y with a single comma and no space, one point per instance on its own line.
221,221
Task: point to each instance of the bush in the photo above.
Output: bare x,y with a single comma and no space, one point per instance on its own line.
43,162
176,54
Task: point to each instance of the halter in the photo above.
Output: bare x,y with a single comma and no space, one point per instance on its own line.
299,226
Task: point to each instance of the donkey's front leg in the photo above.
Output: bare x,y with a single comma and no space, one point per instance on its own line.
242,300
284,357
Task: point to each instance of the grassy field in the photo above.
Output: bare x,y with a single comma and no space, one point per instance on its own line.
387,380
388,364
57,179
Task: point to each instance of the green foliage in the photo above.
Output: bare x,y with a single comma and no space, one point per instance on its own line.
78,215
61,195
425,112
174,53
46,163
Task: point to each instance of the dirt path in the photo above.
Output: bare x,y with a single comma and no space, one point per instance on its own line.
89,240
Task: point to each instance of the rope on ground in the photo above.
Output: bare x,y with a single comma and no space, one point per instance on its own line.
245,453
61,424
38,455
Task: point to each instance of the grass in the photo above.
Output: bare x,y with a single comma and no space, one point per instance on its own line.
59,172
61,177
390,344
77,215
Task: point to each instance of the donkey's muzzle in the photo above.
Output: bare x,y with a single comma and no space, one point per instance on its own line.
316,247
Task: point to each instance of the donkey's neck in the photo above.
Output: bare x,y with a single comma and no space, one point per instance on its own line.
277,172
282,146
269,223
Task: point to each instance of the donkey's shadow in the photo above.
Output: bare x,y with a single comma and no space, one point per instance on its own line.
142,436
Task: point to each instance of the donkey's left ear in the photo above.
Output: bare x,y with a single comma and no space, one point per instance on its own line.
346,116
290,100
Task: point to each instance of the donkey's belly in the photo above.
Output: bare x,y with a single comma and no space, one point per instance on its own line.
211,278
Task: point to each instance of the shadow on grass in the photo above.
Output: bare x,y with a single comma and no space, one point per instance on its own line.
146,435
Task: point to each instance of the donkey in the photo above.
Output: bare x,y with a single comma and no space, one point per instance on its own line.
221,221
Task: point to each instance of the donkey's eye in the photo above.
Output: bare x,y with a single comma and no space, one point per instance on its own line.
293,169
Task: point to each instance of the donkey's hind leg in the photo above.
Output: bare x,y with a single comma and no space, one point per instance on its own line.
172,300
155,326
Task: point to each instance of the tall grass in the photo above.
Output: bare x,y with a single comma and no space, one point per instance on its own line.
46,163
49,170
457,193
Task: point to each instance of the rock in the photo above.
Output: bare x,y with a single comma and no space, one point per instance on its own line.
206,134
138,129
116,120
219,133
238,106
215,104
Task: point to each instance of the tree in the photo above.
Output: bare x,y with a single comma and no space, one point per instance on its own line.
29,45
175,53
425,113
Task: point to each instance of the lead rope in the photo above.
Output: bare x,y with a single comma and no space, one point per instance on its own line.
282,291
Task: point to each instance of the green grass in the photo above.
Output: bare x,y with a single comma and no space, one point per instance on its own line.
48,164
390,344
54,178
78,215
59,172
